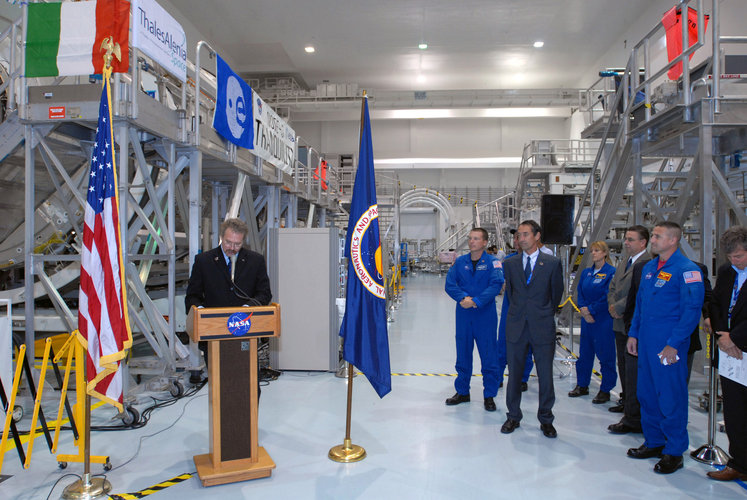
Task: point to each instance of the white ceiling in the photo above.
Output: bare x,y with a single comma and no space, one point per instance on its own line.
472,44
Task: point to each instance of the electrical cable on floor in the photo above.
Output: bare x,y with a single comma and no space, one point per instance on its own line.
58,482
144,415
140,441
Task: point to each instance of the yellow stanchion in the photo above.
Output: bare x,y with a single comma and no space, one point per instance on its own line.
37,403
66,348
570,299
79,410
12,402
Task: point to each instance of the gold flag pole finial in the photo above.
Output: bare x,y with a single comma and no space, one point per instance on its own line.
111,50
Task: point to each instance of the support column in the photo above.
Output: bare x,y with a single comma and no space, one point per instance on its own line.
706,194
195,223
28,240
171,222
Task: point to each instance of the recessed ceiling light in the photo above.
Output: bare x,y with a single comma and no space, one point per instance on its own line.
422,46
539,44
421,78
309,49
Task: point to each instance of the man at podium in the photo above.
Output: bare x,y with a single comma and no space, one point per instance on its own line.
228,275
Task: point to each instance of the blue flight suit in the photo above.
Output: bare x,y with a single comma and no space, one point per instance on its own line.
476,325
598,337
502,343
667,309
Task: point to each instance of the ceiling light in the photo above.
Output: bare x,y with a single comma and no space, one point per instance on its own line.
309,49
539,44
421,78
426,163
422,46
508,112
442,161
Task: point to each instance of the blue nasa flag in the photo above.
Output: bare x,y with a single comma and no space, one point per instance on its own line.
233,118
364,326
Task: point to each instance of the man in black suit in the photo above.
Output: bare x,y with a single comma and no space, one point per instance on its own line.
729,321
214,284
534,287
635,243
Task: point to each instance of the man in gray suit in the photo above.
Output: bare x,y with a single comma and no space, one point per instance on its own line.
534,287
635,243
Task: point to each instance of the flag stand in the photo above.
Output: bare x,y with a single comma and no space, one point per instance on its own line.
347,451
87,487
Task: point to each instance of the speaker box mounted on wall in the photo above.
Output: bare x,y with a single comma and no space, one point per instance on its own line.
556,219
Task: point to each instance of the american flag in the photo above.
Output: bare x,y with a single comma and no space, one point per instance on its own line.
103,327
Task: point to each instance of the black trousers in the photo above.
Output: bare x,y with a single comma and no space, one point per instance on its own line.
632,410
544,354
735,409
621,344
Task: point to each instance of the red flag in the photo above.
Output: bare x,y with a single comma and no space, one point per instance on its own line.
112,19
671,22
103,327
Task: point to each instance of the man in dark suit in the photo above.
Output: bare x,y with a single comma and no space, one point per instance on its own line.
213,283
635,243
534,287
729,321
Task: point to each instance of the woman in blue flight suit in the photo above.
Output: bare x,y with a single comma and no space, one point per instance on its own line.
597,336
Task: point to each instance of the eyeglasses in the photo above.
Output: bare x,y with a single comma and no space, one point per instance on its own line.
232,244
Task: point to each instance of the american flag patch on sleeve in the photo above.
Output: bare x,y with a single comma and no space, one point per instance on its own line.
497,264
692,277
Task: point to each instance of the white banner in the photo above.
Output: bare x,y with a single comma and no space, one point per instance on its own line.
274,140
159,36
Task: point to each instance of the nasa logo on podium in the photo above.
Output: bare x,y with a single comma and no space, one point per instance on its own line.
239,324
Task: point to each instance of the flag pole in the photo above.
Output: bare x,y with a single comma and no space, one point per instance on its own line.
347,451
89,487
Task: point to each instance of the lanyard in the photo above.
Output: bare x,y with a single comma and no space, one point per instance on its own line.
734,297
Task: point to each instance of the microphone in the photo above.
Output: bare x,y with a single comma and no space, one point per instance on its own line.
233,266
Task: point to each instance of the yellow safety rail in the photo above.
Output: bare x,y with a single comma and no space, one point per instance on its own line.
68,347
37,403
79,410
12,402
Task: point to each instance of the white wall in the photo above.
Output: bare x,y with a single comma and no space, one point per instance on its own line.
447,138
418,226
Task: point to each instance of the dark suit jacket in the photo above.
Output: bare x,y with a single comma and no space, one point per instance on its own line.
536,302
619,288
695,344
720,301
210,283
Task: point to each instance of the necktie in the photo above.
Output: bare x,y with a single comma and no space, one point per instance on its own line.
630,261
528,269
229,267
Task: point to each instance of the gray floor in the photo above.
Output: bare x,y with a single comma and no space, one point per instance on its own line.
417,447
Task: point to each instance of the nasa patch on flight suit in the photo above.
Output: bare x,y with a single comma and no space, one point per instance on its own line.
598,278
482,267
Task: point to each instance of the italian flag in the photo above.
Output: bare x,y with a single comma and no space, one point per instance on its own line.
64,39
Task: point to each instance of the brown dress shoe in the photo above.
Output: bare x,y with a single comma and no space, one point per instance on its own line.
727,474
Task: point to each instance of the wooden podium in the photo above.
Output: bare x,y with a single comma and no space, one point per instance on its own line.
232,333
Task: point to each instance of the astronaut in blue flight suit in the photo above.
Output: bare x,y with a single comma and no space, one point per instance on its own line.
473,282
597,337
667,309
